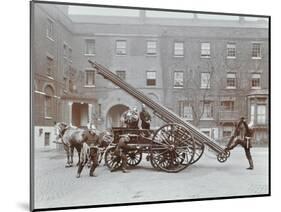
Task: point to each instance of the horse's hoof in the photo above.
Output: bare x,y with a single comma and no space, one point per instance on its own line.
67,165
78,176
93,175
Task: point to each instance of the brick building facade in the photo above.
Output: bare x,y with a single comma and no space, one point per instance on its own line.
210,72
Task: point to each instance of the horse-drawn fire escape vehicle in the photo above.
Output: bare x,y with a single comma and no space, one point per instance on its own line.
172,147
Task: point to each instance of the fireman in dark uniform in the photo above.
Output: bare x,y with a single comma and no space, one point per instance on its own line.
90,151
145,118
121,152
242,135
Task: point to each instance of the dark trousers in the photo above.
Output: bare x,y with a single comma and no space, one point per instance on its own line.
121,155
145,125
94,164
246,147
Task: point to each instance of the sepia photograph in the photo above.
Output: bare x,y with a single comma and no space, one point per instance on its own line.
134,105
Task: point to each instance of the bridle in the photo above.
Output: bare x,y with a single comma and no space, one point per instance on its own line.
61,132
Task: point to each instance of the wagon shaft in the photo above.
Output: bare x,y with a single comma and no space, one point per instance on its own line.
162,112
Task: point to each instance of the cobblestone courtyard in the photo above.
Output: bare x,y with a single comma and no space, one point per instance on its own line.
56,186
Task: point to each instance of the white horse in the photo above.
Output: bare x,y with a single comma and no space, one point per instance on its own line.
73,137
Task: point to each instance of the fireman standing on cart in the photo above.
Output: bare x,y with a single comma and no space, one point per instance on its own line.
145,118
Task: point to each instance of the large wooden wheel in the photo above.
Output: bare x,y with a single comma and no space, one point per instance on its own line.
112,160
172,148
134,157
199,150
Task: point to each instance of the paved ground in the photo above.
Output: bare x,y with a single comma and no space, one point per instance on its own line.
56,186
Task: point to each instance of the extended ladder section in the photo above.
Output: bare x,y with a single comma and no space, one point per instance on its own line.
162,112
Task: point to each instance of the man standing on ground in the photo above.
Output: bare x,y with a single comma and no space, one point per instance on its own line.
242,135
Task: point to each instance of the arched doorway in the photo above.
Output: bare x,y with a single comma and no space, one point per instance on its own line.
114,114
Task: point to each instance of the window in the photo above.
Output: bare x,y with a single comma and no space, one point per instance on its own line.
121,74
90,77
252,113
178,49
99,110
50,64
151,78
256,50
47,139
231,80
261,114
256,81
231,50
178,79
90,47
64,50
207,110
48,104
227,131
50,29
121,47
185,110
227,105
151,47
205,80
205,50
70,54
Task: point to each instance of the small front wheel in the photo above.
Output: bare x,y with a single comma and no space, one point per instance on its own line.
222,157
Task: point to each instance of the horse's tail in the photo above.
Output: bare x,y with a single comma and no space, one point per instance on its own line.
85,152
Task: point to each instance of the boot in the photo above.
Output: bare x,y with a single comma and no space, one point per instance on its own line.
125,171
251,167
92,174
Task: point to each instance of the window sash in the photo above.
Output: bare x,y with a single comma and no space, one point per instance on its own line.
121,47
90,77
205,49
231,80
256,80
231,50
178,79
185,110
49,66
261,114
205,80
227,105
256,50
48,106
178,48
90,46
151,78
208,110
151,47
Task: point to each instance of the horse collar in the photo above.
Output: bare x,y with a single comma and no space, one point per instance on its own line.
62,132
